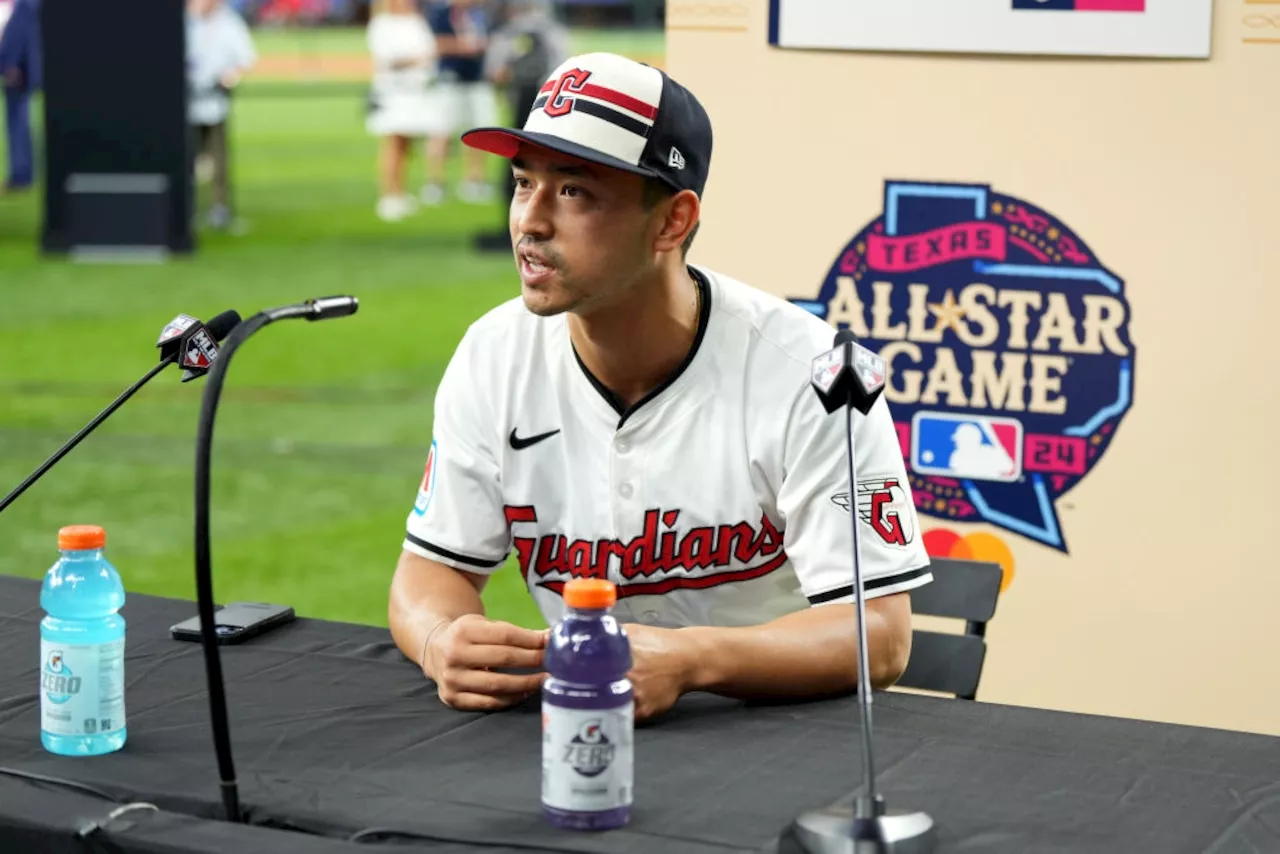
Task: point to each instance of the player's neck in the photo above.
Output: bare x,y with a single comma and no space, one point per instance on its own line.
633,345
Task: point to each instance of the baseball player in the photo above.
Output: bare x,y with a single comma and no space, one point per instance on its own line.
639,418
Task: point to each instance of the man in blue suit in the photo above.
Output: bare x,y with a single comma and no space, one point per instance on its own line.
21,68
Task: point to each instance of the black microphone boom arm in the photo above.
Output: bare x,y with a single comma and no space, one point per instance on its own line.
318,309
176,335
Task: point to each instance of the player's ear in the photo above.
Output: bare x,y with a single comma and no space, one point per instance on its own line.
679,216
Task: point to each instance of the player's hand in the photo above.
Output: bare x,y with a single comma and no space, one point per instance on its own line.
465,654
13,77
661,668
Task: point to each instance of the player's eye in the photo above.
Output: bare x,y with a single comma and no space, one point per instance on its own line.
573,191
522,182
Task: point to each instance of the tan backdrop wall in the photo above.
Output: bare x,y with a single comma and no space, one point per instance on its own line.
1164,607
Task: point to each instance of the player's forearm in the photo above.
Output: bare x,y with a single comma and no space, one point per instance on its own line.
426,595
809,653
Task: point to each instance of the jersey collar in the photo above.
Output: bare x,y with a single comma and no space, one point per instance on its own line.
614,402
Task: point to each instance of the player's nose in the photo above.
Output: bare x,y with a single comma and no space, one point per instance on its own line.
532,217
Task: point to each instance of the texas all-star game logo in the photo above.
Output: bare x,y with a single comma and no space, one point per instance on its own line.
1007,345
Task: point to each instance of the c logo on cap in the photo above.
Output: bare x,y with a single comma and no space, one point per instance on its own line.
570,83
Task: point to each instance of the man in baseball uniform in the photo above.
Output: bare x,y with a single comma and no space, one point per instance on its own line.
639,418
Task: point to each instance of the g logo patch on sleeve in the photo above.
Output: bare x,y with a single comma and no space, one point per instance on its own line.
883,506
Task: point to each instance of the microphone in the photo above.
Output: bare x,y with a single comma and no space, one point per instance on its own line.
184,340
321,308
192,344
850,377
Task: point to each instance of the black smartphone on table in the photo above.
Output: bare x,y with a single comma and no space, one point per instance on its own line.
236,622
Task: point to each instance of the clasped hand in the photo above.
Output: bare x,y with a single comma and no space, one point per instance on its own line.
467,657
463,655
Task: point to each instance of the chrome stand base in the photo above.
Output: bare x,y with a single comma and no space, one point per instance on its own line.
837,830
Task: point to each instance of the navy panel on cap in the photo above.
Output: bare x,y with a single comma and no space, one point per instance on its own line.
679,146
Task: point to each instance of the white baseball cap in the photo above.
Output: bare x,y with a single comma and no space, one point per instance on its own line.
617,112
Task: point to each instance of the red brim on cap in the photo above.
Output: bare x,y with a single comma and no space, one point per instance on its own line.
506,142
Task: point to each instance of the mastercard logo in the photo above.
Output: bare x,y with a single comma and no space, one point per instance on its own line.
943,542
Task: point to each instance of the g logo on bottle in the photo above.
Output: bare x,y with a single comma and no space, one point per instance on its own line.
57,681
589,752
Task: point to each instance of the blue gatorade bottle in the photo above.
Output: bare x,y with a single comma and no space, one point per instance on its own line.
82,648
588,709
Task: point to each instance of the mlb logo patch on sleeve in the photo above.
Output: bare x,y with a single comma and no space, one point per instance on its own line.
966,447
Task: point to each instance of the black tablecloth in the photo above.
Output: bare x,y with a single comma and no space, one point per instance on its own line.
335,732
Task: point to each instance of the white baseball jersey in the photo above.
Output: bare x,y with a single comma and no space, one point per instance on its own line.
722,498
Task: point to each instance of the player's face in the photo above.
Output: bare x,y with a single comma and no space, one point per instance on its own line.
580,232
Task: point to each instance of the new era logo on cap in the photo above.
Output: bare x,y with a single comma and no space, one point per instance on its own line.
617,112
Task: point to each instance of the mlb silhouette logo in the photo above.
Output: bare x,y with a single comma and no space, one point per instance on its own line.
1044,4
966,447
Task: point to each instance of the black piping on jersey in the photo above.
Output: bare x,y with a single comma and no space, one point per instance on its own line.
873,584
472,561
704,316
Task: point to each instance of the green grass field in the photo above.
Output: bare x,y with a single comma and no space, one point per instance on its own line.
345,40
323,428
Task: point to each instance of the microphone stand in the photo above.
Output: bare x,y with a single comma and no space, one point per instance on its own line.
865,827
869,804
85,431
318,309
173,347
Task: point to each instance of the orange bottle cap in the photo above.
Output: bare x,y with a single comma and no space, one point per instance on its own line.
78,537
590,593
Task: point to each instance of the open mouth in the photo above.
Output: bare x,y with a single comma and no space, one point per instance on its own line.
534,268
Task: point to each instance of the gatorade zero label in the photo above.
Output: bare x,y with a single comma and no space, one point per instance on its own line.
81,688
587,758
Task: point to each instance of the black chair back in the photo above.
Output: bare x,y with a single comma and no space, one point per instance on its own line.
952,663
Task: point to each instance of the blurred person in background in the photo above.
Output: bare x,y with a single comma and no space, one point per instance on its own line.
21,68
522,53
404,57
461,97
219,51
528,46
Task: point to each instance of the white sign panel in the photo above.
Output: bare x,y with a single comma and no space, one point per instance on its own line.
1156,28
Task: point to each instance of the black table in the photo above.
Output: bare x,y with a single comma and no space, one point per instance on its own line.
334,732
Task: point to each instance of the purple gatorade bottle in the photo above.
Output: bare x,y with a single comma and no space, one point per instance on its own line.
587,713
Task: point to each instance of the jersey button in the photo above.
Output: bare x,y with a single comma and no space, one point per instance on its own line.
625,490
623,446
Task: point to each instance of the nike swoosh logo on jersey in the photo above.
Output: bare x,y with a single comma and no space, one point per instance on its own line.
518,444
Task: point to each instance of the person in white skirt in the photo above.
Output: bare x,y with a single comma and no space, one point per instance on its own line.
404,62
